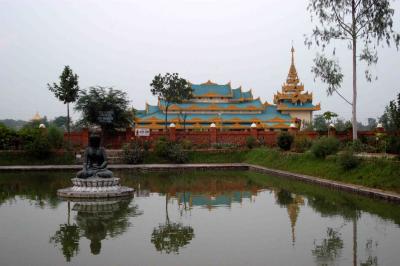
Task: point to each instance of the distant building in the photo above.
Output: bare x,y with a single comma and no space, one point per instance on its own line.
233,108
36,117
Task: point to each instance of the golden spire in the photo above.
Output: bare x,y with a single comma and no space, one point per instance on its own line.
36,117
292,75
292,50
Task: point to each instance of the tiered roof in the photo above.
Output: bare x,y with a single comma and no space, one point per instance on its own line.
211,89
231,108
292,96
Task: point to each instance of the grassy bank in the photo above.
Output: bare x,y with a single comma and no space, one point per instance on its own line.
378,173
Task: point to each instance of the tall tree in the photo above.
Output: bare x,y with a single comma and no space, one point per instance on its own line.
362,24
170,89
105,107
67,91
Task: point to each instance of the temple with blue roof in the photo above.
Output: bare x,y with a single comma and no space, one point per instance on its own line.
234,108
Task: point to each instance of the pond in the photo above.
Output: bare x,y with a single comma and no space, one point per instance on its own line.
194,218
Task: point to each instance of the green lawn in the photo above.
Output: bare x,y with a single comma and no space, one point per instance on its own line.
378,173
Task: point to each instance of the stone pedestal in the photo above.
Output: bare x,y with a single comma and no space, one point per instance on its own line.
95,188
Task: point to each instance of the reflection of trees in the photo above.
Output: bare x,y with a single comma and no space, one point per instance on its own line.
371,260
38,187
94,220
169,237
67,237
345,207
329,249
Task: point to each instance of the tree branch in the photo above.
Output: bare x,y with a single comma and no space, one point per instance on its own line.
341,96
343,25
362,26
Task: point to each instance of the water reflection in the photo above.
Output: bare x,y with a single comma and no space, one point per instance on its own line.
329,249
292,203
332,228
94,220
171,236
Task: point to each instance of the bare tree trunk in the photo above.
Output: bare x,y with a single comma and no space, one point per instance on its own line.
166,117
68,127
354,105
355,241
69,212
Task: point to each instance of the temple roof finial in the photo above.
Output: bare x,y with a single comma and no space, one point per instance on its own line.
292,50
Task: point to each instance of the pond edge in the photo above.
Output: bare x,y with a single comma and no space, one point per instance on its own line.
336,185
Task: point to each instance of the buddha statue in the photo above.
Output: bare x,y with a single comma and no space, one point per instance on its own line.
95,160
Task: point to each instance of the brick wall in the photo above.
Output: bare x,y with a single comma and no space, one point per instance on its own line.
206,138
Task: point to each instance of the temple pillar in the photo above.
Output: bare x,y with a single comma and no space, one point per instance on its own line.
254,132
213,135
172,132
332,131
293,129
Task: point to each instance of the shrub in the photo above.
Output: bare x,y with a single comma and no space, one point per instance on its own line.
40,147
220,145
133,153
285,141
27,135
176,153
186,144
161,147
325,146
359,146
393,144
7,136
146,145
347,160
56,137
251,142
301,144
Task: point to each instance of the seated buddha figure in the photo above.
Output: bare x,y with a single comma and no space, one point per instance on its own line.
95,160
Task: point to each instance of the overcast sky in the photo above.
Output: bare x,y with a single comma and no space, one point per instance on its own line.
125,43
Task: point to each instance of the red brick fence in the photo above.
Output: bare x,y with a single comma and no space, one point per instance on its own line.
208,137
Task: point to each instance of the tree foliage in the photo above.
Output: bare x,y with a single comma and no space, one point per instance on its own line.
362,24
391,117
95,101
60,121
67,91
170,88
328,115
